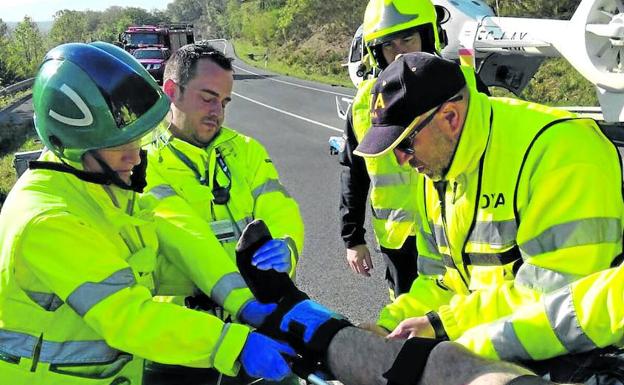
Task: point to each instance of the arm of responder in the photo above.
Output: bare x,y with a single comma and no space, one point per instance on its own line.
87,272
579,317
427,292
354,184
272,203
189,244
570,211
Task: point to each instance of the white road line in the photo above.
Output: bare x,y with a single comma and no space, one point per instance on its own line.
294,84
288,113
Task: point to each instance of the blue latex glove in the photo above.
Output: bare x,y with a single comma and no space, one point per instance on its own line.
263,357
274,254
254,313
308,313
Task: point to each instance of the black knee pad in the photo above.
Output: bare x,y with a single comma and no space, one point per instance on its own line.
410,362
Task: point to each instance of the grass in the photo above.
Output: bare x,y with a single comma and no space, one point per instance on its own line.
327,71
14,137
6,100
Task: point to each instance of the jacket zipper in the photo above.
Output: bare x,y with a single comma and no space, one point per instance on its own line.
440,187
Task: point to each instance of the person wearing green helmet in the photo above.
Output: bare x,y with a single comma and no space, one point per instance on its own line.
81,262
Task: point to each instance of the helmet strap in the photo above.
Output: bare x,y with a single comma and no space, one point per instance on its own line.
107,177
137,178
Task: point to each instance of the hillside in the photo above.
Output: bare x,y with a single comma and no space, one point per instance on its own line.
311,38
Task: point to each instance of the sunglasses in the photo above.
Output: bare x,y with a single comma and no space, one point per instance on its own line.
406,146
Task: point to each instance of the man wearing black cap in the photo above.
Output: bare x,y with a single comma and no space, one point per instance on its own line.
519,200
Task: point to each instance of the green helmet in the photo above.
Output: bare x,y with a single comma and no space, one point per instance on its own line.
385,20
93,96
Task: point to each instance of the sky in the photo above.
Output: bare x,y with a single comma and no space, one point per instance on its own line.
42,10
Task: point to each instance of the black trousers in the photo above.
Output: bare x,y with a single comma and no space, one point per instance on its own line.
401,266
159,374
596,367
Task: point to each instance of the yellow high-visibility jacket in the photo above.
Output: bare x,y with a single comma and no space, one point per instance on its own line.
392,186
79,267
579,317
181,178
532,201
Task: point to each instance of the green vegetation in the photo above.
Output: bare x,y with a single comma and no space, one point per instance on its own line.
329,71
14,136
6,100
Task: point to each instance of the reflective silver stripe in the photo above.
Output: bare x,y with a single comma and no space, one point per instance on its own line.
225,286
394,215
271,185
448,261
485,259
430,266
582,232
498,233
162,191
70,352
48,301
564,322
215,350
293,247
506,342
542,280
90,294
390,179
241,224
440,236
430,241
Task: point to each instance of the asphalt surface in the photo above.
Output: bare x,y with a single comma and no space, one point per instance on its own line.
294,119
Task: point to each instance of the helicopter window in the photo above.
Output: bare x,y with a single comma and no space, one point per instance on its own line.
356,49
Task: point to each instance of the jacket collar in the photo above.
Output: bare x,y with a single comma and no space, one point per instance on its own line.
473,138
225,134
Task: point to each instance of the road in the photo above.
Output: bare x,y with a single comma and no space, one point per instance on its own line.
293,119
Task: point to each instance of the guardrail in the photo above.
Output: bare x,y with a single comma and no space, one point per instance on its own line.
14,88
24,84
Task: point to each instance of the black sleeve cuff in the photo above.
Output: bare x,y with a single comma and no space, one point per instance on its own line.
438,327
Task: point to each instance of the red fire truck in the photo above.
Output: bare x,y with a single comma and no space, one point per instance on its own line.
171,36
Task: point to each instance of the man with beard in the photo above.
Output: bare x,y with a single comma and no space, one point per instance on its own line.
519,200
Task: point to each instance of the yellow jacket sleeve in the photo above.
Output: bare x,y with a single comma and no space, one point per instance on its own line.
272,203
88,272
189,243
427,292
580,317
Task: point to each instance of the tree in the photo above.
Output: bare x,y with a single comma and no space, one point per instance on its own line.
25,49
69,26
5,75
553,9
186,10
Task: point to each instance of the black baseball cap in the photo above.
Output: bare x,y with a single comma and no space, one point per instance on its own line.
412,85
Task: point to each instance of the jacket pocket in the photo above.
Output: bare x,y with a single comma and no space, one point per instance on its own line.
93,371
